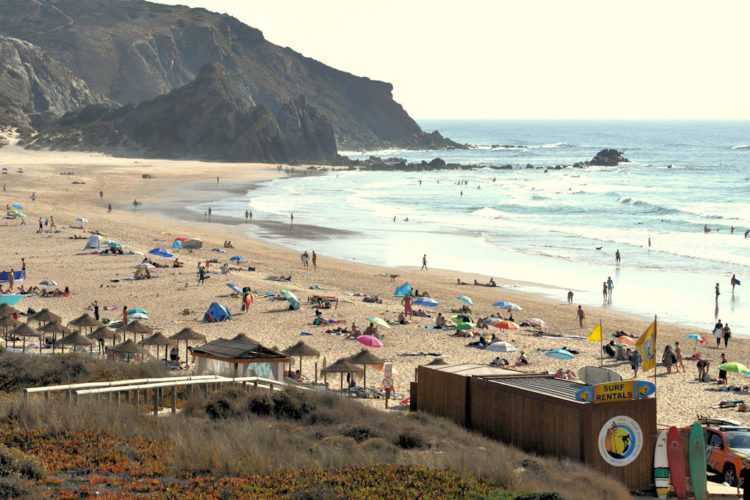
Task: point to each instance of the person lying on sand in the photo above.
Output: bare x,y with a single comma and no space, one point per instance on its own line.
459,282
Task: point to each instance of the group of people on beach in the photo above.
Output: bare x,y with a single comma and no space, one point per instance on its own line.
305,258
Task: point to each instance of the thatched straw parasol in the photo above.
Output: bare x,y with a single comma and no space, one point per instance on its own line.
364,358
341,366
103,333
24,330
138,328
85,321
437,362
158,339
75,339
7,310
54,328
7,322
303,351
46,316
128,347
241,337
187,334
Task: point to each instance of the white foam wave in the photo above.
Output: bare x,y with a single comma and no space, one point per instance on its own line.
741,146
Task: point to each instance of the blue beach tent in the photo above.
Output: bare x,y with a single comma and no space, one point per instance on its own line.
404,289
216,312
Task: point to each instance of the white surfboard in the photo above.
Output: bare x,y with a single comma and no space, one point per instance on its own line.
593,375
661,466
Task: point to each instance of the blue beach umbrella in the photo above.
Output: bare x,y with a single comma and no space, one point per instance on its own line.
426,301
294,301
48,283
234,287
220,250
17,206
507,305
160,252
465,299
82,219
137,310
238,258
559,354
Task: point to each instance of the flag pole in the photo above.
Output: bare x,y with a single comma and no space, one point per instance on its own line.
601,344
655,361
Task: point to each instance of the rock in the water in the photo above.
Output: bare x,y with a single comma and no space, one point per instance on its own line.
608,158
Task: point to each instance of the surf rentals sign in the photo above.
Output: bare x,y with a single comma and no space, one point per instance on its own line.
609,392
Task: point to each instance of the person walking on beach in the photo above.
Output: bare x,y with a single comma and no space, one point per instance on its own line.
733,281
424,263
668,359
96,310
744,481
304,258
604,291
407,301
201,274
635,362
314,259
678,353
52,225
718,333
617,257
41,226
291,217
716,290
723,373
727,334
610,286
581,316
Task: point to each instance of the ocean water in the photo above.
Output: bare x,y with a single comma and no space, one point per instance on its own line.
556,227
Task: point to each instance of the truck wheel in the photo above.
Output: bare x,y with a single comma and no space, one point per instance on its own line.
730,475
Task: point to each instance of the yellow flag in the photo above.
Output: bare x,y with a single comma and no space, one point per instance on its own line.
647,347
596,333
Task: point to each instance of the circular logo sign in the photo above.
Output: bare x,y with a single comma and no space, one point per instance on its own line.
620,441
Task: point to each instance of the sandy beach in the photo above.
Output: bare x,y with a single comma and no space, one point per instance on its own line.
59,257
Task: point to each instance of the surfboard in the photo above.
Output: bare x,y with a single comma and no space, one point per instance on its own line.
585,394
661,466
716,421
697,453
593,375
643,389
676,463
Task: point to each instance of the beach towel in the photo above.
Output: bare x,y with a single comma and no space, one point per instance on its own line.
306,333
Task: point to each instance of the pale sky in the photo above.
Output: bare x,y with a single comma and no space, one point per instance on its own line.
525,58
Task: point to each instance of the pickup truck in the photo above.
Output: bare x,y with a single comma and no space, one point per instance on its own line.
726,449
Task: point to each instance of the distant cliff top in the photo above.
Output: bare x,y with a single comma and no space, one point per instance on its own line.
131,50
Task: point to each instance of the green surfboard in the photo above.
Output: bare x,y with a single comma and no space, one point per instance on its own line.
697,456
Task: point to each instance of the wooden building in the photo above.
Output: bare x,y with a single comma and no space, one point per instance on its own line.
231,358
540,414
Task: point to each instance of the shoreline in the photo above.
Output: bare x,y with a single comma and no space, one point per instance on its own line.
56,256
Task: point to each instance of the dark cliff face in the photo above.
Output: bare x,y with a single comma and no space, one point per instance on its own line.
203,119
130,50
33,85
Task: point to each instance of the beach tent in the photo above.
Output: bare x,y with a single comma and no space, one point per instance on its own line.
193,243
95,242
216,312
404,289
17,276
176,244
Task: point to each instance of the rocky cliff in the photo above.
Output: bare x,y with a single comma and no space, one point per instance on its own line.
132,50
34,86
203,119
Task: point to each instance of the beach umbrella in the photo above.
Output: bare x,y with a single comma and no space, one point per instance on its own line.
145,265
84,320
241,337
369,341
128,347
461,318
294,301
379,321
628,341
234,287
559,354
24,330
19,214
467,325
17,206
539,323
507,305
138,328
364,358
700,339
237,258
142,316
506,325
75,339
220,250
45,315
7,310
187,334
181,238
137,310
104,333
48,283
13,212
502,346
303,351
465,299
158,339
437,362
160,252
8,322
426,301
54,328
341,366
733,367
82,219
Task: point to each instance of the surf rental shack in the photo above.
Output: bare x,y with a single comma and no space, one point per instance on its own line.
610,427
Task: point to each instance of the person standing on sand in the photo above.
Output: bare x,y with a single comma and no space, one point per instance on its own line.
723,373
617,257
201,274
744,481
581,316
635,362
678,353
96,310
10,280
52,226
406,301
610,287
604,291
124,316
424,263
291,217
716,290
718,332
570,296
727,334
733,281
304,258
668,358
314,259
